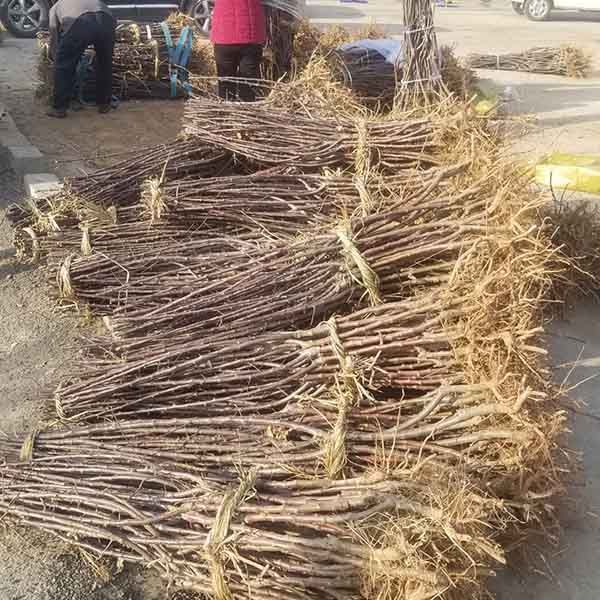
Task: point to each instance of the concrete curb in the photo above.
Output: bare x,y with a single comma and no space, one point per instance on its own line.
25,159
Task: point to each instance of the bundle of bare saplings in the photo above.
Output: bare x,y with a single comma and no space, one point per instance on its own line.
566,60
322,372
143,66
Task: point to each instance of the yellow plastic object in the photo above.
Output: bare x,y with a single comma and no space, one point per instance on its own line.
577,172
485,107
486,101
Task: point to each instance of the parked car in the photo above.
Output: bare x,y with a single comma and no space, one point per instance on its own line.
539,10
25,18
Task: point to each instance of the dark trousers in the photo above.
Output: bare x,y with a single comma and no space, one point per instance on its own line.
238,61
90,29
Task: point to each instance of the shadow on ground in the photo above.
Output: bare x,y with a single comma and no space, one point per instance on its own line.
556,102
573,17
571,570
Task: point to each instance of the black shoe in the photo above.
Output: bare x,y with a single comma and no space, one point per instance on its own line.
76,105
104,108
57,113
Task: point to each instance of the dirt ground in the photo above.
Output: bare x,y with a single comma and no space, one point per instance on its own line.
74,144
38,341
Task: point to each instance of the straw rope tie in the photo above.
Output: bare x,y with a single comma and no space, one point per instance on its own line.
362,154
217,536
26,453
154,45
347,394
60,411
153,198
366,200
86,244
136,32
35,244
367,277
63,279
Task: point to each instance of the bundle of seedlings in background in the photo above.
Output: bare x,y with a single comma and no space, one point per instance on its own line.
566,60
201,61
421,75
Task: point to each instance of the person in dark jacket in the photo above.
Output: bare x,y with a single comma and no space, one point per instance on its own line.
75,25
238,32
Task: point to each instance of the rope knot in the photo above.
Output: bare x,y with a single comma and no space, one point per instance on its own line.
152,196
86,244
26,454
366,276
63,279
362,153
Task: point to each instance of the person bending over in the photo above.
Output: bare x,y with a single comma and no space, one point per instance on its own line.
75,25
238,33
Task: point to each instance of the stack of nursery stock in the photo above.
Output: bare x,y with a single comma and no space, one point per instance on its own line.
421,74
321,374
565,60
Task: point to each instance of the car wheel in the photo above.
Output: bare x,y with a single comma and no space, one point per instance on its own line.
538,10
25,18
517,7
201,12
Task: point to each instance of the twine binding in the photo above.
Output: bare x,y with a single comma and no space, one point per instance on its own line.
135,28
154,45
26,453
60,411
362,154
335,447
366,200
86,244
35,243
366,276
63,279
153,196
217,536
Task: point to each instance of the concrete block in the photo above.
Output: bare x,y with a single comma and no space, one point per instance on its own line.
41,185
16,150
7,123
26,159
12,137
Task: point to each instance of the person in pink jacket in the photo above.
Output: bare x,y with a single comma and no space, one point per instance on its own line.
238,32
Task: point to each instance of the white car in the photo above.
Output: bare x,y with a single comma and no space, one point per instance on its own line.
539,10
